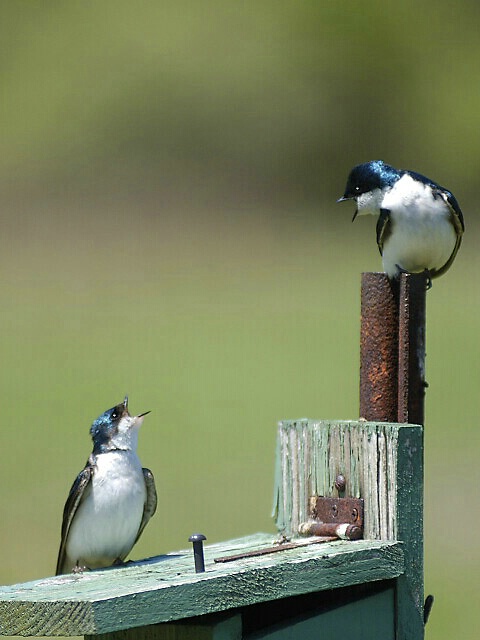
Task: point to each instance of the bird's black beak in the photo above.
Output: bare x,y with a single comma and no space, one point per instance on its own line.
346,199
143,414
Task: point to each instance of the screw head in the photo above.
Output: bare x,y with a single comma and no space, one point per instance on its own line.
340,482
197,537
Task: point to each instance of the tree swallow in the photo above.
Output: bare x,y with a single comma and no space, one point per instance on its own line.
420,223
111,500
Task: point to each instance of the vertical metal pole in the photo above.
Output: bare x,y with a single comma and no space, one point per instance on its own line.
392,348
411,349
378,349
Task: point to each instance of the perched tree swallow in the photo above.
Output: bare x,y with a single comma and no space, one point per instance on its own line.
111,500
420,223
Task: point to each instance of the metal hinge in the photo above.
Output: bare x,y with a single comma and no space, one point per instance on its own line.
330,519
339,517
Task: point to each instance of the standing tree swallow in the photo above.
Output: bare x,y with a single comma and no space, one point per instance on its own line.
111,500
420,223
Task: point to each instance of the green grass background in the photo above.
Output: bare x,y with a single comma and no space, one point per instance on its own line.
169,230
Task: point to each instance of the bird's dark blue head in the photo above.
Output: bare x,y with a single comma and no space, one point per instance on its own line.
369,176
116,429
105,427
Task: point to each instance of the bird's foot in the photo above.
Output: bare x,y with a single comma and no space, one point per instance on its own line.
426,273
80,569
428,278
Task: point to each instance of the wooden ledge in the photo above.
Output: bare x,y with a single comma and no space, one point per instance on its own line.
166,588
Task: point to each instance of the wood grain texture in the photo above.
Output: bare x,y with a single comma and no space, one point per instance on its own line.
383,464
410,596
310,455
166,588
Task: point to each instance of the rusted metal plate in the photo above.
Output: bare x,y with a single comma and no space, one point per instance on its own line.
337,510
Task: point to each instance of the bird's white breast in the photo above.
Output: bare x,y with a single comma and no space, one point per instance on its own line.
422,234
106,523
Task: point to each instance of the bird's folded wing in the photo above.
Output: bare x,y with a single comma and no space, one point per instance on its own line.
150,503
74,498
383,228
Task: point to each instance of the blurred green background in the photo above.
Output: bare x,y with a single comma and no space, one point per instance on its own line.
168,177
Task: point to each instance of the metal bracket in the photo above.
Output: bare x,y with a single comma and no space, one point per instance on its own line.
337,510
340,517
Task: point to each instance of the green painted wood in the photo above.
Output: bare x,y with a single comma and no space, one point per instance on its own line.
382,463
410,596
370,618
214,627
165,588
310,455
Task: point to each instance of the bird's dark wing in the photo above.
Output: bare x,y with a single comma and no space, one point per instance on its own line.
455,210
456,217
74,498
384,228
150,503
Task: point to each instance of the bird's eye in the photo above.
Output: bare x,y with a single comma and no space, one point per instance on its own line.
114,416
357,188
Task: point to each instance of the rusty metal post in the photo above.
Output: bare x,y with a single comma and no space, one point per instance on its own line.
411,349
378,349
392,348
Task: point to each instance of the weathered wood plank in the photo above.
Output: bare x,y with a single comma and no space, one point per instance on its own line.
382,463
409,474
166,588
312,453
